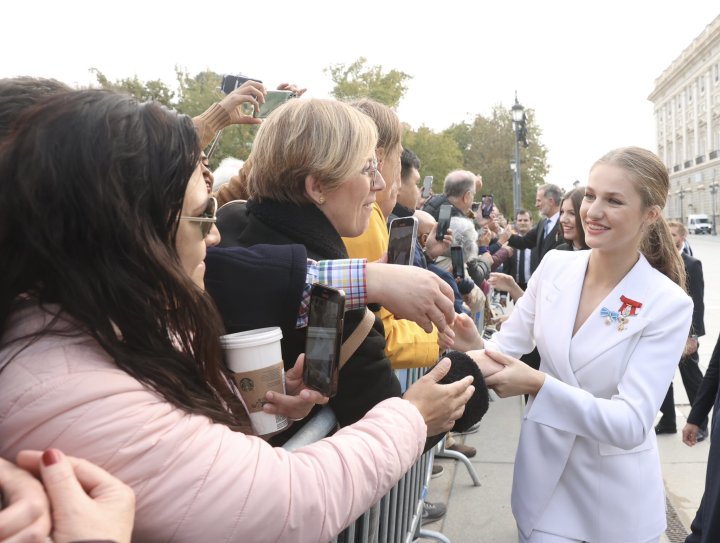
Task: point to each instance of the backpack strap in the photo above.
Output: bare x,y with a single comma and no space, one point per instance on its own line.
351,344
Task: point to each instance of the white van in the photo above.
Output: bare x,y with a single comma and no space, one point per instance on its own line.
699,224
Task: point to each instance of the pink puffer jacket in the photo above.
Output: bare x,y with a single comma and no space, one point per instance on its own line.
195,480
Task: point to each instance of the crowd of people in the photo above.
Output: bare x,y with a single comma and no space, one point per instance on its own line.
125,259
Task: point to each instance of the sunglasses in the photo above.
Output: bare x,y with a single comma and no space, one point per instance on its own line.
208,218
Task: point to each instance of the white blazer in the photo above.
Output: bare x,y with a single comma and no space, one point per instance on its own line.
587,465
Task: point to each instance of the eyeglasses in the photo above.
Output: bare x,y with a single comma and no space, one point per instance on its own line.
208,218
371,170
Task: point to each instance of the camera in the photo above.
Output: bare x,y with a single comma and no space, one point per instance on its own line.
477,269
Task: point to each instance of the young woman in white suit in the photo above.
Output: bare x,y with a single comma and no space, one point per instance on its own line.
610,324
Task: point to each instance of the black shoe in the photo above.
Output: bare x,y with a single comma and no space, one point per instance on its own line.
665,429
701,435
433,511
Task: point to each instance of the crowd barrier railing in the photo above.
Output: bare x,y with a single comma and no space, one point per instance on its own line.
397,517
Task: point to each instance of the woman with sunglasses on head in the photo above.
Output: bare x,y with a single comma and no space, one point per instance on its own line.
109,346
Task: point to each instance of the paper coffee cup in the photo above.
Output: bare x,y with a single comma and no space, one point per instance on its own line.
255,358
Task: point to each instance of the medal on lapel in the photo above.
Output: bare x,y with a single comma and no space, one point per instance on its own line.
629,308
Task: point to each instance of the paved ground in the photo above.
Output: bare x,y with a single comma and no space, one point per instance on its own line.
482,514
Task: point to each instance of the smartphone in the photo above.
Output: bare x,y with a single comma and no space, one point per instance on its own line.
457,258
403,235
324,339
475,206
232,82
273,100
427,186
487,205
443,221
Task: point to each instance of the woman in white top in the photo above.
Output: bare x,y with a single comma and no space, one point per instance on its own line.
610,325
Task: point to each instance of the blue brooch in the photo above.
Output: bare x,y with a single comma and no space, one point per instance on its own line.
628,308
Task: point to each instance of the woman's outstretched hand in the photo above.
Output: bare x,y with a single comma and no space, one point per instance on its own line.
466,335
440,405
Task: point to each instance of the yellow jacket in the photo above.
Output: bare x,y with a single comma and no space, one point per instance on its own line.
407,345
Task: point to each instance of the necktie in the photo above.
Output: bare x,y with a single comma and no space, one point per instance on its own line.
547,227
521,267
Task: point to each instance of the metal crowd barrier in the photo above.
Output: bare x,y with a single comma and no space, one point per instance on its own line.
397,517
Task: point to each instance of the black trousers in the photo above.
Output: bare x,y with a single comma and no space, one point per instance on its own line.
691,377
705,527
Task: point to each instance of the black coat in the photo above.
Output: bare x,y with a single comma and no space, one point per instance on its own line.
706,525
367,378
696,290
432,206
535,241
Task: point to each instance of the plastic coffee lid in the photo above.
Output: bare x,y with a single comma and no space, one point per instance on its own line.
252,338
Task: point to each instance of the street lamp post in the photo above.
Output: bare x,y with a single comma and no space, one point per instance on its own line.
713,191
681,193
519,120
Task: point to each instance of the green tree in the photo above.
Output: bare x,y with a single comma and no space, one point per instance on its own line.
360,81
438,153
488,144
143,91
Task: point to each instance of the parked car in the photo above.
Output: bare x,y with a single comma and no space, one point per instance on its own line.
699,224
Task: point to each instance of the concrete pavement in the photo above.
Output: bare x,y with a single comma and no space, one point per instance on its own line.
482,514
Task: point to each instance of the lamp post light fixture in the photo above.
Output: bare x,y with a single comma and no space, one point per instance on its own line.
519,120
713,191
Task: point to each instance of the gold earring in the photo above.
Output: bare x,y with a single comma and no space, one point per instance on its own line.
321,199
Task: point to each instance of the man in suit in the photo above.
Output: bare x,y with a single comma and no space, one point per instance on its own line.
518,265
689,362
705,527
546,234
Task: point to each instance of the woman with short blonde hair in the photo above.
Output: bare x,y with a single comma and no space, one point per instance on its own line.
323,138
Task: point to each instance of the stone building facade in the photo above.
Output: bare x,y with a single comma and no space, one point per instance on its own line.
686,101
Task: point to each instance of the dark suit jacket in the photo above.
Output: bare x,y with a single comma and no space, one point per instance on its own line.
706,525
696,290
534,240
511,267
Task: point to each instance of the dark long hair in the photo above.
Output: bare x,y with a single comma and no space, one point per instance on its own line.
576,196
92,189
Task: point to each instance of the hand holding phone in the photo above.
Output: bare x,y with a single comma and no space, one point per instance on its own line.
427,186
487,205
403,236
324,339
443,221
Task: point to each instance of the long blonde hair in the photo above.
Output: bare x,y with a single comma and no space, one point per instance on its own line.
650,177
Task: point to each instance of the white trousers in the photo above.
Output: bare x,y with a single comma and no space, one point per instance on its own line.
544,537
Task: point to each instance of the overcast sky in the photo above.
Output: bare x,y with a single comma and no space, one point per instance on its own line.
586,68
